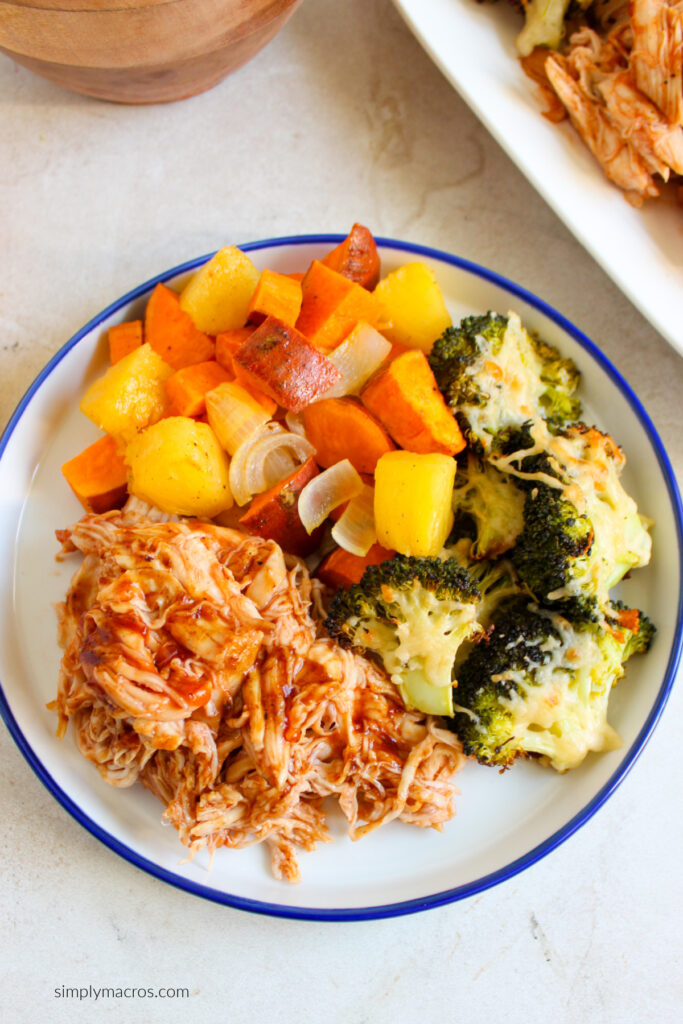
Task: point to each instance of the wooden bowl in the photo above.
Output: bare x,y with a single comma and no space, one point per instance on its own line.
138,51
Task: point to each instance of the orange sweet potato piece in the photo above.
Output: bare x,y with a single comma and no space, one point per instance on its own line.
331,306
123,338
228,342
245,380
340,428
296,276
275,516
405,398
98,476
279,360
188,388
171,332
342,569
275,295
323,291
356,258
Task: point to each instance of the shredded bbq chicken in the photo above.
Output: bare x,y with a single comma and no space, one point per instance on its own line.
194,663
622,87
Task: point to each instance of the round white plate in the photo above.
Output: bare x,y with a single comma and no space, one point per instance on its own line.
504,823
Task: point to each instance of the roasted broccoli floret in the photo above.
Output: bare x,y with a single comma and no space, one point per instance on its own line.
552,551
539,685
461,348
638,629
498,583
512,442
553,546
545,23
414,613
487,505
494,375
582,532
561,378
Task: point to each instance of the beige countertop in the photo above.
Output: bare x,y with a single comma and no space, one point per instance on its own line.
342,118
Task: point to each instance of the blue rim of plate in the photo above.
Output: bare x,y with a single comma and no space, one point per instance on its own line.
538,852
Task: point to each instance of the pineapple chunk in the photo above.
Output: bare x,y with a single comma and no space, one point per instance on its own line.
411,301
413,501
130,395
217,297
179,466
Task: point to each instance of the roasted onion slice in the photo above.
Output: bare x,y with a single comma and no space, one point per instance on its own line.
269,455
327,491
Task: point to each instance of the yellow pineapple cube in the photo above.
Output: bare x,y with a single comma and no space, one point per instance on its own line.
412,302
218,295
413,501
178,465
130,395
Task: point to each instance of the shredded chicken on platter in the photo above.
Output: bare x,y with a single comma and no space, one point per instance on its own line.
621,83
194,663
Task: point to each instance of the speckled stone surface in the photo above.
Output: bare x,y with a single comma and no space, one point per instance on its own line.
341,118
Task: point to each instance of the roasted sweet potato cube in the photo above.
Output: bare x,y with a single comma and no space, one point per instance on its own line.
332,305
188,388
98,476
342,569
275,516
275,295
171,332
279,360
405,398
356,258
228,342
341,428
123,339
